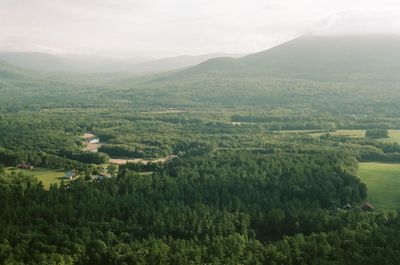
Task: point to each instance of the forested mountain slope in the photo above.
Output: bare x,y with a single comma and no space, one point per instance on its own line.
11,72
349,74
334,73
315,56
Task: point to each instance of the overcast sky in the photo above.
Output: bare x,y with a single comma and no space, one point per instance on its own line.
173,27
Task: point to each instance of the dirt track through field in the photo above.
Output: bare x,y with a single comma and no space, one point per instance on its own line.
123,161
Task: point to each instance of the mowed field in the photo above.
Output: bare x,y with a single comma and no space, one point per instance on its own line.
46,176
316,133
394,135
350,133
383,182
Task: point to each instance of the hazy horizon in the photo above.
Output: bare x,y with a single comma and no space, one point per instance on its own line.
141,29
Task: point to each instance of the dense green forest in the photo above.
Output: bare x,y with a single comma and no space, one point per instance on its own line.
245,165
229,207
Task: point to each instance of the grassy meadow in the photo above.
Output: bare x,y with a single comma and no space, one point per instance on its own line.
46,176
383,182
350,133
394,135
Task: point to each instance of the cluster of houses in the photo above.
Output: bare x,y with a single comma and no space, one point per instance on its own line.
103,174
356,115
71,175
100,177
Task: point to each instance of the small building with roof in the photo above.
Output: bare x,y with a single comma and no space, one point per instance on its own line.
367,207
25,166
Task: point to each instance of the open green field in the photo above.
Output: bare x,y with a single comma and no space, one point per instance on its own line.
383,182
394,136
46,176
350,133
316,133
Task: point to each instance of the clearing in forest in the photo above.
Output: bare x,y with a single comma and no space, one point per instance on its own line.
46,176
91,146
394,135
123,161
349,133
383,183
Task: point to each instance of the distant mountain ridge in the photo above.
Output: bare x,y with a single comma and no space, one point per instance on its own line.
309,69
175,63
317,55
325,70
74,63
90,64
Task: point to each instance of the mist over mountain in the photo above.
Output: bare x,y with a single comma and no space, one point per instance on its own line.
11,72
68,63
91,64
307,56
174,63
304,57
315,56
307,70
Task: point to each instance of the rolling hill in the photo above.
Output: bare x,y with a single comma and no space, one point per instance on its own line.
10,72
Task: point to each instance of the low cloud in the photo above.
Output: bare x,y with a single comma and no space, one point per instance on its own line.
359,22
167,28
